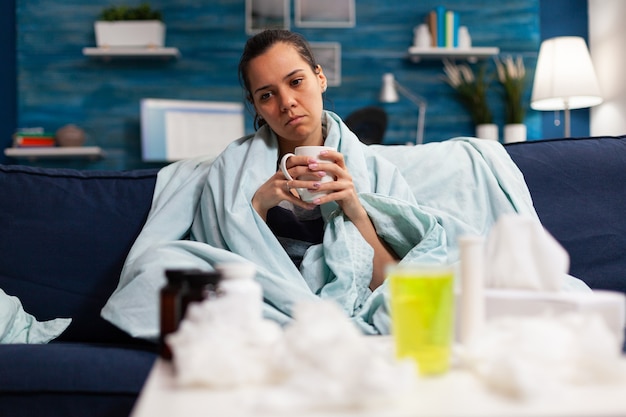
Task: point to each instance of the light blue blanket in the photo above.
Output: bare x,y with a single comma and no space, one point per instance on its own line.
439,191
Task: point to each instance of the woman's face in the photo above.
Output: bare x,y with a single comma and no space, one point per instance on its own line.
287,93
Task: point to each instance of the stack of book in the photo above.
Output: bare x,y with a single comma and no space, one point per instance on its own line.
444,27
27,139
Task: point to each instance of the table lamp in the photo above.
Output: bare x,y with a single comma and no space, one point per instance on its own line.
389,94
565,78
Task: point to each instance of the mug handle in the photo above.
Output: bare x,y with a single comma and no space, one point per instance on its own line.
283,165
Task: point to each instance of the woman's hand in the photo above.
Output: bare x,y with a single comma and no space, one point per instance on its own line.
275,190
343,191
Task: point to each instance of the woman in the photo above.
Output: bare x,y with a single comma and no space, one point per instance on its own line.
285,85
241,208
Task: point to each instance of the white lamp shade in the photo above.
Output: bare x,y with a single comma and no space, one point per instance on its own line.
564,77
388,92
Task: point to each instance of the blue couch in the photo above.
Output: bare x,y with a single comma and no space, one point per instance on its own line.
65,235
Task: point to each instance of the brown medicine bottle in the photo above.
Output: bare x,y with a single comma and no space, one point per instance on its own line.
171,307
200,285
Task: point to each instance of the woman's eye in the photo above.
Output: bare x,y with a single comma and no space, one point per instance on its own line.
296,82
265,96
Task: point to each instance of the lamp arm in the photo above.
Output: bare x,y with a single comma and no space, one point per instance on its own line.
417,100
420,102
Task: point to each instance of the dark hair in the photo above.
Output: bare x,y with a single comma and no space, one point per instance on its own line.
258,45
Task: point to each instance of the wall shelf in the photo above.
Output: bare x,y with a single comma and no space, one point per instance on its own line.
109,53
472,55
88,152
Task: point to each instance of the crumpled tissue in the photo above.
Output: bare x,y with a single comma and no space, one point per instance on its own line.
522,254
320,360
526,357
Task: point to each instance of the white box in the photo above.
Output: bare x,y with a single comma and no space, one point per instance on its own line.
611,305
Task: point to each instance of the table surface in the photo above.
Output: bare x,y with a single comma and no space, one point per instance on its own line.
456,394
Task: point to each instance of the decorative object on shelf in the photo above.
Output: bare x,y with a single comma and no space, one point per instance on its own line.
421,36
389,94
465,39
70,135
512,77
565,78
35,137
472,90
125,26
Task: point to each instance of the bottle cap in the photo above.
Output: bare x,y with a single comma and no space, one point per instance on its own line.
237,270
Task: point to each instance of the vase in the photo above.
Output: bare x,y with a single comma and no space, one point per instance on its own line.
514,132
487,131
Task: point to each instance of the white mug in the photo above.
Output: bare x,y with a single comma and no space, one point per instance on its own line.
313,152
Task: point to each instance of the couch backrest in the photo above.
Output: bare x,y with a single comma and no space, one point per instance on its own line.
64,237
578,188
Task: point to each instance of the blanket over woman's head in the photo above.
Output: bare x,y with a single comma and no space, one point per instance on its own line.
211,203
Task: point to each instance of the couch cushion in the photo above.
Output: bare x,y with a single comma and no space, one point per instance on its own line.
578,188
73,367
65,235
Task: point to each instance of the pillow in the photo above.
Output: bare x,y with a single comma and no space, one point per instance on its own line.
17,326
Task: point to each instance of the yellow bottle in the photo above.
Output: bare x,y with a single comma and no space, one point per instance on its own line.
422,310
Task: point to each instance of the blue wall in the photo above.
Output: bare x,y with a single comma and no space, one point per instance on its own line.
57,85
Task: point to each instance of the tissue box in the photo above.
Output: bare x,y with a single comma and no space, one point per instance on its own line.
611,305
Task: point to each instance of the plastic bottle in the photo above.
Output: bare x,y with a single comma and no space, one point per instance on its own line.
472,309
239,285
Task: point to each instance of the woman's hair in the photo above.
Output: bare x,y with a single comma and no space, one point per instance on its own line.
258,45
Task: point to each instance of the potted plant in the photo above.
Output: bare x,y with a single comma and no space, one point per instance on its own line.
129,26
472,90
512,77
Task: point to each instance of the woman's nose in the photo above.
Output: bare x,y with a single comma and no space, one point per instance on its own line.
287,101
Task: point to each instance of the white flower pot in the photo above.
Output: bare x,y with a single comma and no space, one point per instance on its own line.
130,33
515,132
487,131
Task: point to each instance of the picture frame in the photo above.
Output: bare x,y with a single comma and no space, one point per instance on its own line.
267,14
325,13
328,55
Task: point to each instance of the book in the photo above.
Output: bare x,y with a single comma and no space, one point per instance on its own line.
444,27
441,26
452,29
32,140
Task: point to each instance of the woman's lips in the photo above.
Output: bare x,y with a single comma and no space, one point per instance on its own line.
294,120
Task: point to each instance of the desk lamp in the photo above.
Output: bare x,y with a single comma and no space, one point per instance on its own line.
564,78
389,94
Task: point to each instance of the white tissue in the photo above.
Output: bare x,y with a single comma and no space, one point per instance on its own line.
521,254
320,360
214,348
525,357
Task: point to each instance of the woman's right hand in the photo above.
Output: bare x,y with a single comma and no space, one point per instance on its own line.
275,190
